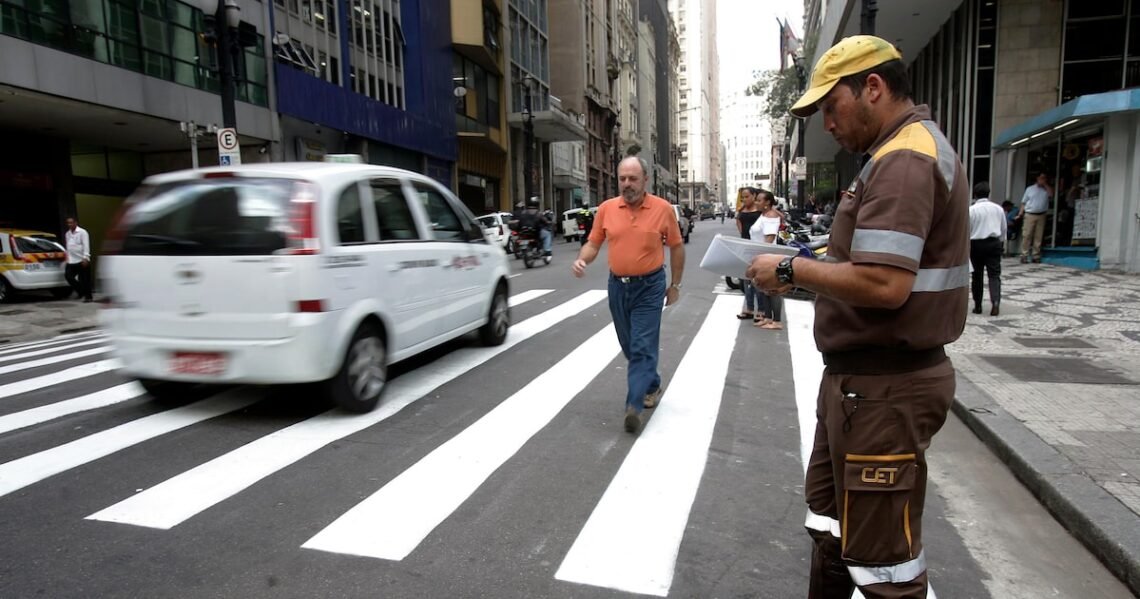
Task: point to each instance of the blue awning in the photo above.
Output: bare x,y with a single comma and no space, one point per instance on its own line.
1070,113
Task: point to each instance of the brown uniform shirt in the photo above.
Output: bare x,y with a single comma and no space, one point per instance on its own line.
908,208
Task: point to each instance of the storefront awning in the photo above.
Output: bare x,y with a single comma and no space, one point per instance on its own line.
1068,114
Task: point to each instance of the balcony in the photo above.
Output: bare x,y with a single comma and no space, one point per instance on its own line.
475,32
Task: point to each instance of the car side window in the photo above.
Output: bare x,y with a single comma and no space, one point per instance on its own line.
393,216
350,216
446,223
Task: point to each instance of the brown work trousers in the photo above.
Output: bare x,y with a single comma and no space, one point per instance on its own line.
868,471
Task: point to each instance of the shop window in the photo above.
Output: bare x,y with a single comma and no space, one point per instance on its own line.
1090,40
1100,8
1090,78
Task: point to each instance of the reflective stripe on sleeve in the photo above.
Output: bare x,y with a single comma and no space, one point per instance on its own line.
822,523
904,572
941,279
947,159
881,241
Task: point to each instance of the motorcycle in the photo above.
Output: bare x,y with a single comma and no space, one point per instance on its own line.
529,246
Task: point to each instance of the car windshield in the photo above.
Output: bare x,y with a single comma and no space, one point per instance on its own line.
209,217
36,245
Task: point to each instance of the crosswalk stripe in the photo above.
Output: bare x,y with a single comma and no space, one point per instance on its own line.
392,522
19,473
55,378
53,360
807,369
90,401
650,497
19,347
526,296
51,350
188,494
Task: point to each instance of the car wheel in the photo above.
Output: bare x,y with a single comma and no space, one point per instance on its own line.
61,292
528,261
169,392
498,319
733,283
357,386
510,247
5,290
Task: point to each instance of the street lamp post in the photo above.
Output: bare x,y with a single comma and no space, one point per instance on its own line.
528,131
223,21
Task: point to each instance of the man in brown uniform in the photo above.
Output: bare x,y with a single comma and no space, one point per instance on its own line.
884,311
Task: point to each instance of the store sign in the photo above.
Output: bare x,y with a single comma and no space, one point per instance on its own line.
801,167
310,151
1084,218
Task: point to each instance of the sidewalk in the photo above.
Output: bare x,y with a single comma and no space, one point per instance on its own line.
34,316
1052,386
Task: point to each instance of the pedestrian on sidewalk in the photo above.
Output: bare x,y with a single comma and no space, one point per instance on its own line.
1034,206
895,295
635,224
987,234
78,269
746,217
766,229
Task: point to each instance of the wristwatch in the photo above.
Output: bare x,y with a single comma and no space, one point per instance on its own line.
784,272
676,285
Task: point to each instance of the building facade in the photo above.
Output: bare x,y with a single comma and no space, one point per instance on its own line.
747,142
659,53
698,111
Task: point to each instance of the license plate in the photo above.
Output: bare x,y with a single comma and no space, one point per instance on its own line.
198,363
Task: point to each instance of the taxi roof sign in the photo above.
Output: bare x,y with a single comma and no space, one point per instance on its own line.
345,158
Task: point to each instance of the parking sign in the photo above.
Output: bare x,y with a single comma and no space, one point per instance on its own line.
229,149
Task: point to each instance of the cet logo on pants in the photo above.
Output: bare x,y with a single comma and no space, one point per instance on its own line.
876,498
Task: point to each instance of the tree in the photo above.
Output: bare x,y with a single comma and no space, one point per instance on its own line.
779,88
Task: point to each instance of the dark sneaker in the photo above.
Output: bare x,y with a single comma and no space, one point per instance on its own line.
977,308
994,310
653,397
632,420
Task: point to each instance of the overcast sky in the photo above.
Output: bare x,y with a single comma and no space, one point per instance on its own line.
748,37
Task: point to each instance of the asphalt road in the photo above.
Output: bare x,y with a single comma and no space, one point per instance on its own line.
484,473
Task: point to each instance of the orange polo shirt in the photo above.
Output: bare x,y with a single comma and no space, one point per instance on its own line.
637,236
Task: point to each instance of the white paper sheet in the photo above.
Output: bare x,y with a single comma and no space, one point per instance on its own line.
730,256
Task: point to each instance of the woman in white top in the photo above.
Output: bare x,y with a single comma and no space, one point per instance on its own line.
765,229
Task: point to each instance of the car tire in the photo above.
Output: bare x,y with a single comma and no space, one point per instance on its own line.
528,261
498,319
6,290
510,247
363,374
61,292
169,392
733,283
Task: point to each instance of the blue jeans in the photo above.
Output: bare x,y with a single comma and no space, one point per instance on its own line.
636,310
751,296
547,239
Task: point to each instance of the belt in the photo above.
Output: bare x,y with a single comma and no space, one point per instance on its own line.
882,361
635,277
1034,213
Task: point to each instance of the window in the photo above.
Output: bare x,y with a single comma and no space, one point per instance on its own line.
446,223
349,216
393,218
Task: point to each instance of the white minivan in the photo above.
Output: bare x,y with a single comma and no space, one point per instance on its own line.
295,273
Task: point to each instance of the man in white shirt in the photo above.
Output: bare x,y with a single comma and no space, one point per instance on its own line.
1034,206
987,235
78,270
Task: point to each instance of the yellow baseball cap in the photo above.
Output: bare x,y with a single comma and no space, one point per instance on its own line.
851,55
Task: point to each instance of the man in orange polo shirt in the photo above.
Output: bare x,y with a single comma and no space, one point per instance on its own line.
638,226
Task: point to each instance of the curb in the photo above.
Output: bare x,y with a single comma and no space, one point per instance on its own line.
1106,527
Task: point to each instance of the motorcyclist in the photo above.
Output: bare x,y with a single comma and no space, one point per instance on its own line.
530,217
586,219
